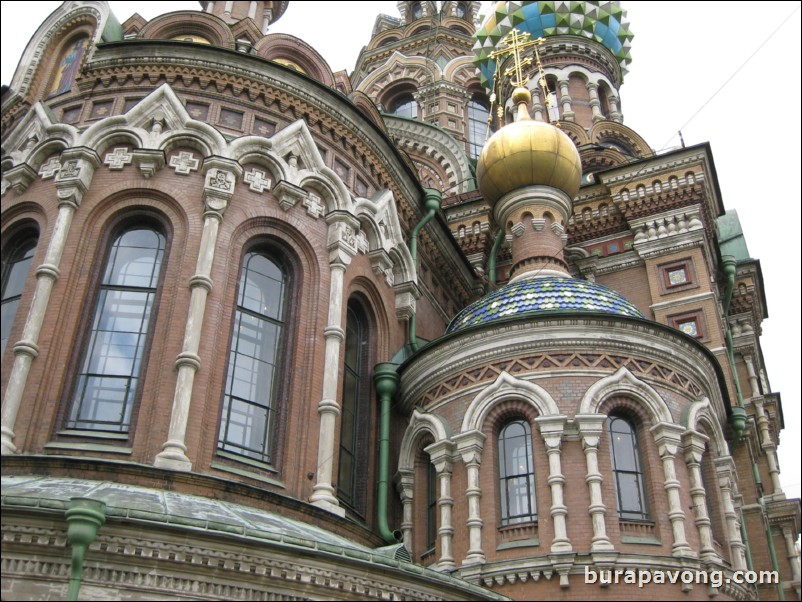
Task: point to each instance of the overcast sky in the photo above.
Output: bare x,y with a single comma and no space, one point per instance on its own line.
682,54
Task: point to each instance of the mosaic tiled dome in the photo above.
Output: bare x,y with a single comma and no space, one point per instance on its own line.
543,295
600,21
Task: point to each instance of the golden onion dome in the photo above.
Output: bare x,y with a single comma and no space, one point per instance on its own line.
526,153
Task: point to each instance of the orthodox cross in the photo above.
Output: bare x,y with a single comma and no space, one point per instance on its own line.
514,43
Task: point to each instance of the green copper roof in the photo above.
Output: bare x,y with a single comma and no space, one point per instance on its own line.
731,239
600,21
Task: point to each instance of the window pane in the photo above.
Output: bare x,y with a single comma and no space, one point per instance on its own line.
628,477
107,383
249,402
516,471
17,258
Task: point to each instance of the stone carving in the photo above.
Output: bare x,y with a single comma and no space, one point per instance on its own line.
119,158
258,180
184,163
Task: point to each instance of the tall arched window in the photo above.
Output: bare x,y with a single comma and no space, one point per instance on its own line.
405,106
628,474
252,380
478,112
17,259
516,473
431,504
112,366
354,419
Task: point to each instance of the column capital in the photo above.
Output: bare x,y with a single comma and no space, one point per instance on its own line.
470,445
551,429
19,177
343,228
220,183
442,454
694,444
590,427
668,437
78,167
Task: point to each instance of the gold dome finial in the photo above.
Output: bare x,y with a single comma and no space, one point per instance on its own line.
527,152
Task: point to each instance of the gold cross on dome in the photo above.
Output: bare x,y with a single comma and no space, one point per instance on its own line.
514,43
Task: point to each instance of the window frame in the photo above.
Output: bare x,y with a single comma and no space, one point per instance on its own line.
530,517
273,433
356,498
665,270
86,327
644,512
26,238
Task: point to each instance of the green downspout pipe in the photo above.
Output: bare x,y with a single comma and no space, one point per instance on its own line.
431,200
491,262
385,379
84,517
738,416
772,551
745,539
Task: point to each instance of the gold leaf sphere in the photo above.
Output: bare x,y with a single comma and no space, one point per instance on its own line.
527,153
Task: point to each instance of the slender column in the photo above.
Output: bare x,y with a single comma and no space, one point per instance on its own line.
221,176
210,7
565,100
442,456
766,442
793,558
470,446
615,111
551,428
537,105
590,427
227,8
667,436
725,469
342,247
595,105
78,165
252,9
267,19
694,444
406,489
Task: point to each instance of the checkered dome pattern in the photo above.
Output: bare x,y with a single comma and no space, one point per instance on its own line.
543,295
599,21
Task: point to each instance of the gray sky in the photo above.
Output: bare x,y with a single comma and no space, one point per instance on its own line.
683,53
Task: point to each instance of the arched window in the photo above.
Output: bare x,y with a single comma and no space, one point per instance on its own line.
478,111
431,504
112,366
459,10
17,259
417,10
405,106
252,380
628,474
516,473
354,417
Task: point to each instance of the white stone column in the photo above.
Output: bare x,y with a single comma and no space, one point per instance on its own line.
442,457
595,105
78,166
210,7
725,469
252,9
221,177
766,442
590,427
565,100
227,8
551,429
537,104
694,444
793,559
342,247
470,446
668,436
406,490
615,111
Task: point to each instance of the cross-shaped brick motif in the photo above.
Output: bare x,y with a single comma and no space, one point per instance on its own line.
50,169
314,205
362,243
257,181
184,163
119,158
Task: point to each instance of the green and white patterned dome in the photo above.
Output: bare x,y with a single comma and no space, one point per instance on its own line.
599,21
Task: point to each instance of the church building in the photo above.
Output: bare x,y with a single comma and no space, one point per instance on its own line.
440,328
